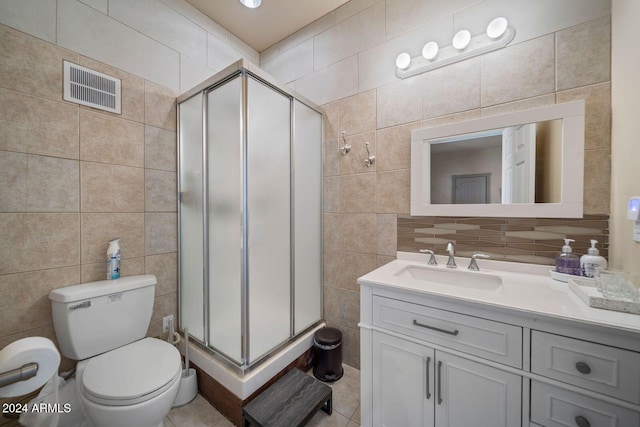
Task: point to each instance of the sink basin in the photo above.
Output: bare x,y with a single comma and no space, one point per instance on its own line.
463,279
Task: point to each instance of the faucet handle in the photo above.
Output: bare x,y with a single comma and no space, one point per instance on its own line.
432,258
473,265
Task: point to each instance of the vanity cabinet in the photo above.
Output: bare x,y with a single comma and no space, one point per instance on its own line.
434,360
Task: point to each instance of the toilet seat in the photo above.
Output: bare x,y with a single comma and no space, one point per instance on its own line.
132,374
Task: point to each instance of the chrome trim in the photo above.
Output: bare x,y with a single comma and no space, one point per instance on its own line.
16,375
84,304
292,218
205,217
179,204
244,304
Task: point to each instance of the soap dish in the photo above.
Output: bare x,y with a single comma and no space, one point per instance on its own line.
562,277
587,292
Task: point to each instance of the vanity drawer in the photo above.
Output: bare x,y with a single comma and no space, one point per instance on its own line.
484,338
556,407
607,370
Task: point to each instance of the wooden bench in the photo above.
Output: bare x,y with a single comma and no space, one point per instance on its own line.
291,401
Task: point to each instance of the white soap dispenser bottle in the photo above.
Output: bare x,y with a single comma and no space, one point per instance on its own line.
592,261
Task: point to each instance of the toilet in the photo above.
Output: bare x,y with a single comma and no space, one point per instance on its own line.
122,378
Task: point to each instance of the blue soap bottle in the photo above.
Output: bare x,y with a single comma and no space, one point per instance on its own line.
568,262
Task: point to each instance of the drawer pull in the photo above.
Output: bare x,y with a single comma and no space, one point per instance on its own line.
428,391
583,368
582,421
416,323
439,382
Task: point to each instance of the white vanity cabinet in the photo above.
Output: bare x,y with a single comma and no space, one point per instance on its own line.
470,359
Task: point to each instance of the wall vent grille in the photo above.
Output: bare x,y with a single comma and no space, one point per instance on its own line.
91,88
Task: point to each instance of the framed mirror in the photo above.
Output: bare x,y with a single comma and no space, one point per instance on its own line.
524,164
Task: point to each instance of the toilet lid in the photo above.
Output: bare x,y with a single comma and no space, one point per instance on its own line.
132,371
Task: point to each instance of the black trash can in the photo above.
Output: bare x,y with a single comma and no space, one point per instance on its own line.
327,359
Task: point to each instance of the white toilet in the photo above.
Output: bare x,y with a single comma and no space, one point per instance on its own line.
122,378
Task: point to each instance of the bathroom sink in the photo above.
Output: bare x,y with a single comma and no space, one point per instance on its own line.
463,279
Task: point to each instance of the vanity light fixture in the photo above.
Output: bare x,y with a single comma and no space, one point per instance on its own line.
251,4
463,46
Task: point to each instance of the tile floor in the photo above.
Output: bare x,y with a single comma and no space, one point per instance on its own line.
346,408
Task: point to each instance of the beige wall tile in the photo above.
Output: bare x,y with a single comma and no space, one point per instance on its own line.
383,260
393,147
526,104
351,344
159,106
25,316
30,65
354,265
163,305
331,230
99,228
331,165
358,113
403,16
98,271
160,191
13,176
107,139
53,185
165,268
452,118
132,102
331,197
331,303
400,102
29,287
111,188
331,267
510,74
584,54
358,232
387,232
11,236
353,162
597,132
357,193
331,121
350,308
160,233
392,191
50,240
159,148
597,181
332,83
37,125
451,89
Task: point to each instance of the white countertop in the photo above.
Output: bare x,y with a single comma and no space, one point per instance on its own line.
526,288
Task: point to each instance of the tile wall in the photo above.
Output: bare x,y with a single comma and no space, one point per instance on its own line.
74,178
345,61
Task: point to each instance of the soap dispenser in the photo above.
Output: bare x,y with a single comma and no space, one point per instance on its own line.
568,262
592,261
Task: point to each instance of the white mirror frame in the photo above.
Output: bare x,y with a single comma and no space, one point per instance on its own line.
572,114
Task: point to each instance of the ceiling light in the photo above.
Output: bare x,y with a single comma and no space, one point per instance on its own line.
497,27
461,39
403,60
430,50
251,3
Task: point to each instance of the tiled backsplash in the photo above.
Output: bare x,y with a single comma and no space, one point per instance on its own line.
531,240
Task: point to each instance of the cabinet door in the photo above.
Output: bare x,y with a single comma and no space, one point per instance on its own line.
472,394
403,381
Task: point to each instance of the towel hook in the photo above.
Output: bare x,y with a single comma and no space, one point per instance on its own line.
370,158
346,148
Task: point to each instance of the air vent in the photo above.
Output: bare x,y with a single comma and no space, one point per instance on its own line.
91,88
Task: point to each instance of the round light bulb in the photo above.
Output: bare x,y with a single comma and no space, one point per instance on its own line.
461,39
430,50
252,4
497,27
403,60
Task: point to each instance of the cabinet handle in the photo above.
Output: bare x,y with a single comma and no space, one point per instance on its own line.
583,368
582,421
428,391
416,323
440,383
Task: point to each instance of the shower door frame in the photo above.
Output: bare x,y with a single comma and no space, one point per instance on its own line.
245,70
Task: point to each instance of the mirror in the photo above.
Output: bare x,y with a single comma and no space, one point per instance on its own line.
523,164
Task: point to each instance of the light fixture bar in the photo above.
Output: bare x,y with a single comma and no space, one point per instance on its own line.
478,45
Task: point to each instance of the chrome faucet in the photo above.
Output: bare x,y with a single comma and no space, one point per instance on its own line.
451,262
473,265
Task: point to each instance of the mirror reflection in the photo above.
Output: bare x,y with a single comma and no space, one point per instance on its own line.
515,164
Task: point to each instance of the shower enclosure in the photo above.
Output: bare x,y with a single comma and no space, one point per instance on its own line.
250,215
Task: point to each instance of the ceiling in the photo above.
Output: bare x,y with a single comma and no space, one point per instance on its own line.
266,25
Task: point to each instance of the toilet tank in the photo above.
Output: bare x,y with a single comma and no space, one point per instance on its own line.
93,318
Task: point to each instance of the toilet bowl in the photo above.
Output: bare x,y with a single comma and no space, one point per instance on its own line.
122,378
